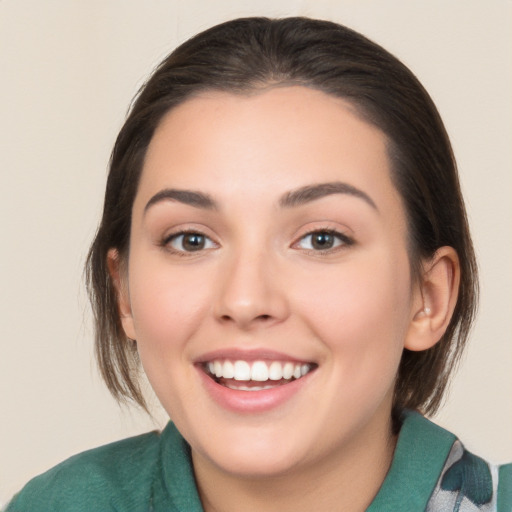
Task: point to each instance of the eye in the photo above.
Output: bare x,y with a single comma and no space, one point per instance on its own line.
323,240
189,242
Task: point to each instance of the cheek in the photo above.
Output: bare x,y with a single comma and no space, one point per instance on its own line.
166,308
362,312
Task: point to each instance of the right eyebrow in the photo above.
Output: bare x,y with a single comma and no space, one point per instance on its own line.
190,197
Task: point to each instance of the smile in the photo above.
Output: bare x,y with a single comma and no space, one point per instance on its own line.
255,375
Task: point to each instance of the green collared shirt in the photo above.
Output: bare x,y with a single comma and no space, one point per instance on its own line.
431,471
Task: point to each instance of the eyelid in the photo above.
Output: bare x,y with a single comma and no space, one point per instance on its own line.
344,239
178,232
183,231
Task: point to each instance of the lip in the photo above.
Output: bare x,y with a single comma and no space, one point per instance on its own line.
249,355
251,402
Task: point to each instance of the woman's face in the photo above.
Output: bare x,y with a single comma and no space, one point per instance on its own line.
269,247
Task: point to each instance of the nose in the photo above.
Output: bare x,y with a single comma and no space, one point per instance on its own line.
251,293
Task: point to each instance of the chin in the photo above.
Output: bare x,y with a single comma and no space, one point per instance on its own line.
254,463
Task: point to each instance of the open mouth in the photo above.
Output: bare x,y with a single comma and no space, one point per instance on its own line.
256,375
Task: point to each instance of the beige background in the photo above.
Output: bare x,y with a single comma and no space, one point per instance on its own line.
68,72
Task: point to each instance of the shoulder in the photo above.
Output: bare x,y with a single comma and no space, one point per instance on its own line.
108,477
505,488
438,474
467,482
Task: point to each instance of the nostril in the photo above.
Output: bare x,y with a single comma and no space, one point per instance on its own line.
227,318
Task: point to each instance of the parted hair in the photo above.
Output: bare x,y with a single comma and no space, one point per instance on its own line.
248,54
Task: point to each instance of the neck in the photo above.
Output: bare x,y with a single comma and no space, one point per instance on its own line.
346,480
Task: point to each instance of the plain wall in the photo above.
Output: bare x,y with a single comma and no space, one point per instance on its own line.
68,72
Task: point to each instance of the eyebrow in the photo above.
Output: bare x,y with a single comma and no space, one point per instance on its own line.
290,199
311,193
190,197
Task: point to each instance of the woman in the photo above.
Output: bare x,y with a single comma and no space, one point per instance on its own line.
285,249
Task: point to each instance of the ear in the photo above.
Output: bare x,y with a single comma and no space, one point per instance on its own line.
435,300
118,275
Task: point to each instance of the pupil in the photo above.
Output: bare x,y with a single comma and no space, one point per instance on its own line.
193,242
322,241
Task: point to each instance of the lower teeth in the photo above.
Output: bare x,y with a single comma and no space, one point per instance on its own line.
248,388
240,386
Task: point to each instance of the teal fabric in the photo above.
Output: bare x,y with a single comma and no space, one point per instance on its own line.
114,477
153,473
147,473
419,458
505,489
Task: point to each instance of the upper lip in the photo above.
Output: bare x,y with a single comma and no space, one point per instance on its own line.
236,354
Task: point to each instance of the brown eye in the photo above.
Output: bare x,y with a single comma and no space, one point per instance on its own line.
190,242
323,240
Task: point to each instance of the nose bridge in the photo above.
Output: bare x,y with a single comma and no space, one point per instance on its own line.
250,293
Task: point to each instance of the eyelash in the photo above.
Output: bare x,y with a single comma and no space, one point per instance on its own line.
341,240
167,241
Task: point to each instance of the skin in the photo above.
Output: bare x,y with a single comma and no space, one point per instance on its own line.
259,284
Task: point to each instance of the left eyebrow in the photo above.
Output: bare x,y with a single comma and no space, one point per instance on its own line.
311,193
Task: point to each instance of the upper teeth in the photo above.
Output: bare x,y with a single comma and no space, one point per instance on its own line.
257,370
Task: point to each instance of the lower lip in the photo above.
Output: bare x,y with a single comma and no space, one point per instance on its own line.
251,401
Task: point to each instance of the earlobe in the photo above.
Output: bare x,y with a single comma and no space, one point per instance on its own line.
118,276
436,302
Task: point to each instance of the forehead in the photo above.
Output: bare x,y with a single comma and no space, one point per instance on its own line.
268,142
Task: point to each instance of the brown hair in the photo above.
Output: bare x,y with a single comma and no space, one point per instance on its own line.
244,55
